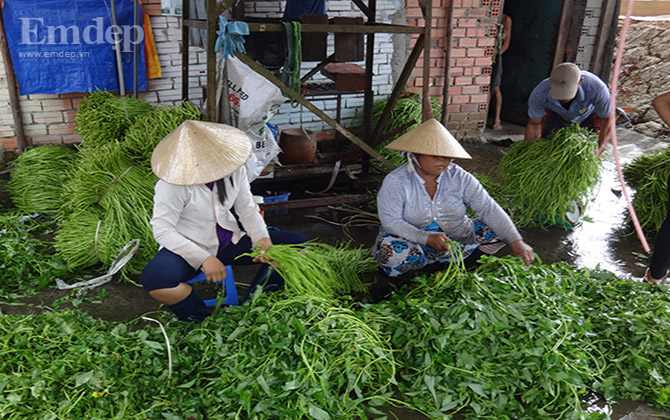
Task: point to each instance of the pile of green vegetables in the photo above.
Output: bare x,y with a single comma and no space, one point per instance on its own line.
36,183
503,342
544,178
27,264
101,196
406,110
647,174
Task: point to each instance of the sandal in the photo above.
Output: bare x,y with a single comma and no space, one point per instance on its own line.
649,279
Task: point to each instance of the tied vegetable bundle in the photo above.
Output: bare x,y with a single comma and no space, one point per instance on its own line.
103,118
648,175
109,202
544,178
320,270
36,184
406,111
149,129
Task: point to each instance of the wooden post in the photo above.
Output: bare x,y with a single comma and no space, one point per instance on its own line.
447,63
307,104
212,23
12,85
427,111
185,16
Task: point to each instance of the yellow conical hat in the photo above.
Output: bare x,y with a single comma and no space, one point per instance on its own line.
430,138
198,152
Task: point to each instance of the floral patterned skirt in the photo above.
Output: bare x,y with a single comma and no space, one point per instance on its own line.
397,255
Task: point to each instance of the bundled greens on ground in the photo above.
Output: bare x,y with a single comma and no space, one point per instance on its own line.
109,202
545,177
406,110
504,342
103,118
149,129
648,175
320,270
36,183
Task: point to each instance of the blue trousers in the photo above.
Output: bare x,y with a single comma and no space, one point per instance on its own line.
167,269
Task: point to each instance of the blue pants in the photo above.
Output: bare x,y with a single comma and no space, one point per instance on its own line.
167,269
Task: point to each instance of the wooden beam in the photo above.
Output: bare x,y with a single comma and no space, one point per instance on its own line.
563,32
185,13
368,11
317,202
307,104
223,6
212,22
318,67
447,63
12,86
397,91
427,109
359,29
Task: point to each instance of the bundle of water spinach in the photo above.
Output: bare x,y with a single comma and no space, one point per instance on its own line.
543,178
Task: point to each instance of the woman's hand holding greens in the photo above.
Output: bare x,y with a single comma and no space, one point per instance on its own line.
214,269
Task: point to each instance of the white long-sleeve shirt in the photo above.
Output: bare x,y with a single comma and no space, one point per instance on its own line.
185,217
405,207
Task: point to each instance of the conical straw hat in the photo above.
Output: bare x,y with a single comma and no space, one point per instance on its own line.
198,152
430,138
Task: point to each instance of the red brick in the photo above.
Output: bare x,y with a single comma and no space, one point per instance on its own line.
477,13
471,90
463,80
435,91
466,23
459,99
479,98
486,42
470,71
453,108
455,90
60,129
476,52
458,33
459,13
476,32
469,107
464,62
482,80
458,52
10,143
69,116
42,140
483,61
467,42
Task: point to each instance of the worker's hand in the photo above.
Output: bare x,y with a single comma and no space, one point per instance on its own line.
214,269
265,243
437,241
521,249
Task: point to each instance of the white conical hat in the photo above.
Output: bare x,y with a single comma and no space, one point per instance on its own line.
198,152
430,138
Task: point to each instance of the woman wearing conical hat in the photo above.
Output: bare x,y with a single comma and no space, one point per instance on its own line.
202,181
423,203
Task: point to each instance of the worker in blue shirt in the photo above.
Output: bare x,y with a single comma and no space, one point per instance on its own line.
569,96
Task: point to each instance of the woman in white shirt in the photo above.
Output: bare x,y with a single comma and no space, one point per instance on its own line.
202,181
423,206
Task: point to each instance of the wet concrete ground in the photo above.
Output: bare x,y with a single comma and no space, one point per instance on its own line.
601,239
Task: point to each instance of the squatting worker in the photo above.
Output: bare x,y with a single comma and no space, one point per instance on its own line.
569,96
657,271
202,182
423,203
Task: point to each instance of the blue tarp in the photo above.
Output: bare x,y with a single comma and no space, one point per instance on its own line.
68,46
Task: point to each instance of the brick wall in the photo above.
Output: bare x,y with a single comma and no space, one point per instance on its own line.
474,31
49,119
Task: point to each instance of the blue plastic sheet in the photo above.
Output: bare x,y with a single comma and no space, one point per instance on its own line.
68,46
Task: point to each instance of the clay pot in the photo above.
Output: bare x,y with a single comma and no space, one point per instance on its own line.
298,146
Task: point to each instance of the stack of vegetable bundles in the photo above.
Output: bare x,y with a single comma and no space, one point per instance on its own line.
648,175
543,178
105,194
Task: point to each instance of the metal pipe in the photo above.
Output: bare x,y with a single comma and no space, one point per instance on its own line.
117,47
